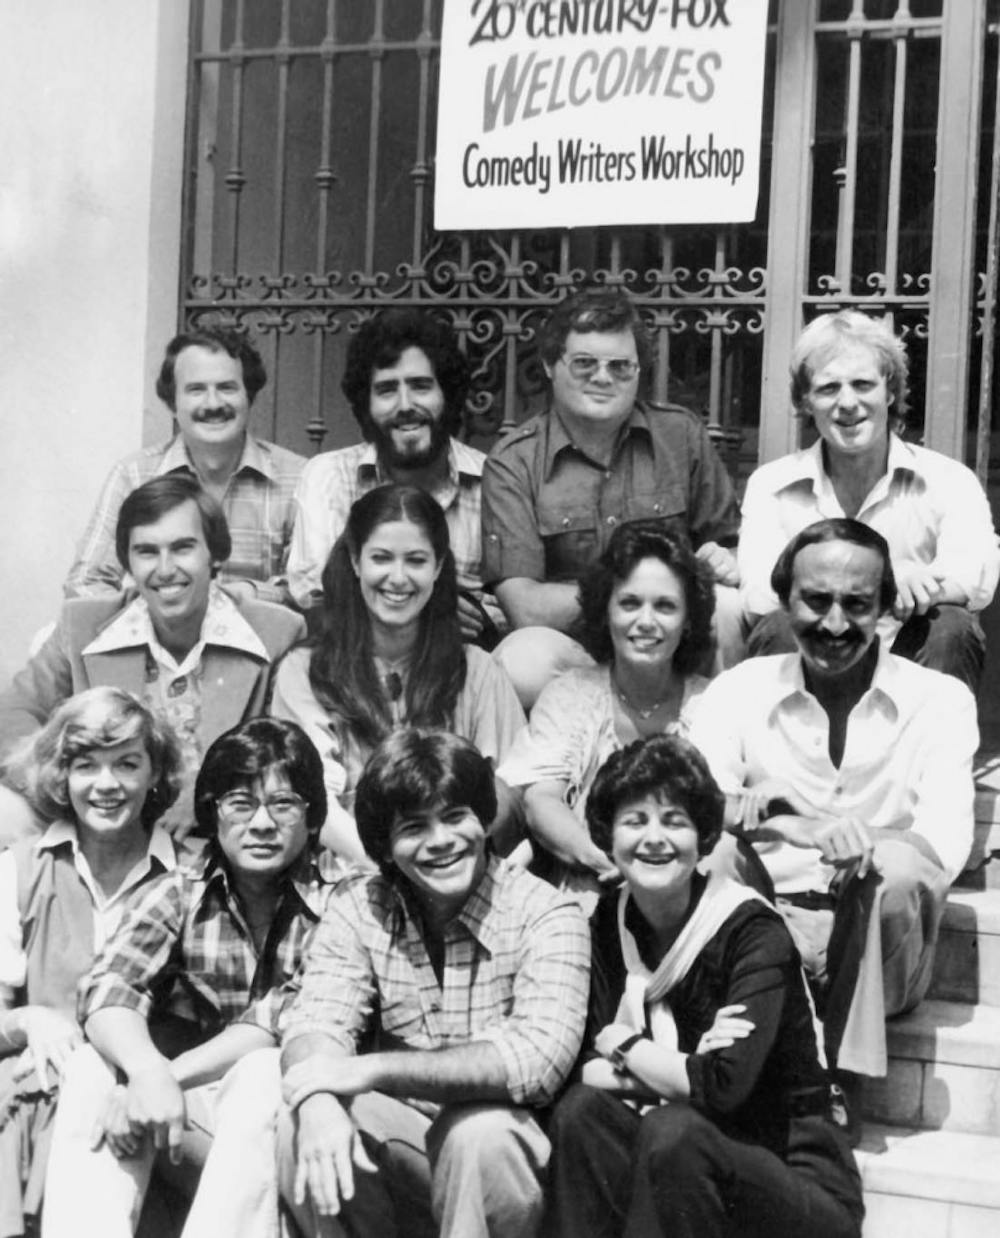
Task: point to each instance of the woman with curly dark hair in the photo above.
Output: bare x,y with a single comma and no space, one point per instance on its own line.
703,1109
390,652
647,609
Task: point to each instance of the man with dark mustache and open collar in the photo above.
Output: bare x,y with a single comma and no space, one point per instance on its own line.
849,770
406,380
209,380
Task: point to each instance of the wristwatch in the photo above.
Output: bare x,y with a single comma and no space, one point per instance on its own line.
619,1052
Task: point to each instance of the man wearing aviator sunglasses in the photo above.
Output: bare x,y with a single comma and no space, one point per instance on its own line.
190,983
556,488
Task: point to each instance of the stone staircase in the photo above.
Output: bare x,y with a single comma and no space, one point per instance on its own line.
930,1157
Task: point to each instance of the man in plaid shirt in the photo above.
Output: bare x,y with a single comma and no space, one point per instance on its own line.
209,380
442,1002
191,981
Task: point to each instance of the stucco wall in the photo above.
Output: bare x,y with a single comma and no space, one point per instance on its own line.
91,133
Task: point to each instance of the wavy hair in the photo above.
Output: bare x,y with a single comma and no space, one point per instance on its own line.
629,545
830,334
342,669
663,766
382,340
415,770
216,339
95,718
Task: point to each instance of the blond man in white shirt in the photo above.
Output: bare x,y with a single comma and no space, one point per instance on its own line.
849,375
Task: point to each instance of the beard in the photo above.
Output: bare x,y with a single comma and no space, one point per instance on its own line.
412,455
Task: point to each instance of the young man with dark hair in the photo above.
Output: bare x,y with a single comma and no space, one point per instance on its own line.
472,979
406,380
209,380
183,645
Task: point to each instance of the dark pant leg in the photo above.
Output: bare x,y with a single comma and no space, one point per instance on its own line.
772,633
692,1181
947,638
590,1171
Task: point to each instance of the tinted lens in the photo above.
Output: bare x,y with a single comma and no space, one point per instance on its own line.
238,808
621,369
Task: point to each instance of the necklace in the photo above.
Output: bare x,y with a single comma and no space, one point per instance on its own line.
644,713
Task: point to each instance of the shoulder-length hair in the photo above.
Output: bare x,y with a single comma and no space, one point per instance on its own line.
342,669
245,754
629,545
95,718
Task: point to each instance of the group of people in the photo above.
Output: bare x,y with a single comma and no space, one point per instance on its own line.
412,841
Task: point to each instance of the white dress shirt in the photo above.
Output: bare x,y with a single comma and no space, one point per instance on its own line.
928,507
907,762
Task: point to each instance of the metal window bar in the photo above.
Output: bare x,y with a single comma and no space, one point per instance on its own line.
494,287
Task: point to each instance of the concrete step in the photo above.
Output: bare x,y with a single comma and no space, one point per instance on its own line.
967,962
930,1184
944,1070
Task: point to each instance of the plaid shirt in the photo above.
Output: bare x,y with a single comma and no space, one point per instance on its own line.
331,482
184,955
257,503
516,975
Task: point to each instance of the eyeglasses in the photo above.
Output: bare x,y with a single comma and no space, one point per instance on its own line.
583,367
239,807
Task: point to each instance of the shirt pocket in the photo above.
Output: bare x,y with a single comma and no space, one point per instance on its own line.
569,535
666,504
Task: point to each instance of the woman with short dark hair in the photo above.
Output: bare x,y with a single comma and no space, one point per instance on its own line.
647,608
703,1109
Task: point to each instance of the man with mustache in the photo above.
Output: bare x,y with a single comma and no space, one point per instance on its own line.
849,769
849,375
209,380
406,381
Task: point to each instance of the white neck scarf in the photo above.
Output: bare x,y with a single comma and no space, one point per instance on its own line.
645,989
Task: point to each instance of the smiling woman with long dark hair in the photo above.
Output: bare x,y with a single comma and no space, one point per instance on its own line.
704,1109
390,652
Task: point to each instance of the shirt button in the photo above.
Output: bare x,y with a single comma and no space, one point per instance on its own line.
612,521
494,537
565,521
657,507
436,1007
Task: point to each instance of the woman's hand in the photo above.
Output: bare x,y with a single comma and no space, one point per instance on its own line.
610,1037
114,1128
51,1038
727,1027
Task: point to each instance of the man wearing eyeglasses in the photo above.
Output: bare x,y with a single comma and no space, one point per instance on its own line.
556,488
191,982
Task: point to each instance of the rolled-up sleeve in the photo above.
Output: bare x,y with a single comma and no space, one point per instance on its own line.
538,1042
512,544
336,988
138,951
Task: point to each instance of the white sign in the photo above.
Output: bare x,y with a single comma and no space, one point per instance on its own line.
557,113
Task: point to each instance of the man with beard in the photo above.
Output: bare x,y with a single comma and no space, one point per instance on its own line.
209,380
849,769
406,381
